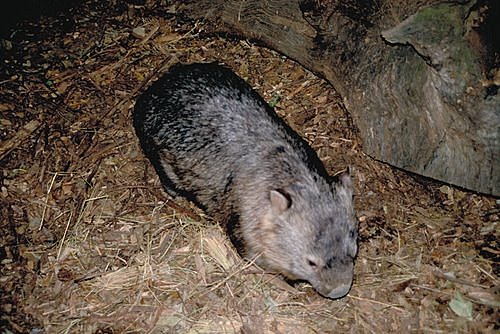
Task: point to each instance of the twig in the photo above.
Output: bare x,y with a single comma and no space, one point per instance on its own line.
64,235
377,302
450,278
47,201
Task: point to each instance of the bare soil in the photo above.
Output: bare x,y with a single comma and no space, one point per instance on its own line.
90,243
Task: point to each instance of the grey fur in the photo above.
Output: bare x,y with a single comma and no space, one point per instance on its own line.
213,140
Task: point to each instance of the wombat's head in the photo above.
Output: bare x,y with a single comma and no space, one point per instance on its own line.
309,233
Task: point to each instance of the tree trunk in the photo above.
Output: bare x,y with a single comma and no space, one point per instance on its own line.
422,91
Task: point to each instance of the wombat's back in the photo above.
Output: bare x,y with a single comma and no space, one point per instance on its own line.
217,125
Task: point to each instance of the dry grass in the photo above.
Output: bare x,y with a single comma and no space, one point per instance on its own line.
93,245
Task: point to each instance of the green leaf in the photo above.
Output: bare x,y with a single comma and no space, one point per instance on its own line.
461,306
274,101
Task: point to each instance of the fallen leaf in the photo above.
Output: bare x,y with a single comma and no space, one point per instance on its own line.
461,306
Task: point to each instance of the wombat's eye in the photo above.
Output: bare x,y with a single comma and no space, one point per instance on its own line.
312,263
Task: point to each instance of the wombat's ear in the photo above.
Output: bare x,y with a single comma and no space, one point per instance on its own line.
280,200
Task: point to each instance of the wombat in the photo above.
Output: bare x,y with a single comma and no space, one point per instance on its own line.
213,140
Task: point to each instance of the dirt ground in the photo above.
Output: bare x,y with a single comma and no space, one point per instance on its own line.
90,243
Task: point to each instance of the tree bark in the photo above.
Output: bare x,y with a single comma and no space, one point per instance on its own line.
422,91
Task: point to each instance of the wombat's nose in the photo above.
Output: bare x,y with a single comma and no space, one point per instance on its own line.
339,291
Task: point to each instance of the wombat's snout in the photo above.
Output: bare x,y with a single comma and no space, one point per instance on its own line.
338,292
333,286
